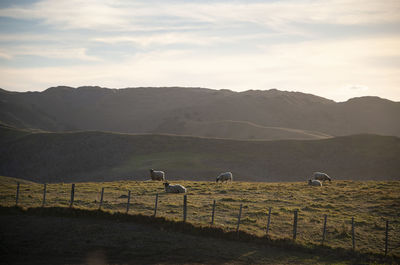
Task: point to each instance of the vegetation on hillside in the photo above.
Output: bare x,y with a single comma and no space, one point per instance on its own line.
370,203
182,110
99,156
241,130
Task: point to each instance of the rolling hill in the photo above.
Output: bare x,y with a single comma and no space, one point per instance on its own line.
240,130
252,114
99,156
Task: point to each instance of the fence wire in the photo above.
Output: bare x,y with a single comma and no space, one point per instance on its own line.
369,235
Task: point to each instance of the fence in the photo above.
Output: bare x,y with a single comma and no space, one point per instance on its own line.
227,213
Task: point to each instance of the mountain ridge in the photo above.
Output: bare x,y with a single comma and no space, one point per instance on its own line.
181,110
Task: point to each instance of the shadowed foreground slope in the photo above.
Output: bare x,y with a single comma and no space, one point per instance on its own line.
81,156
29,238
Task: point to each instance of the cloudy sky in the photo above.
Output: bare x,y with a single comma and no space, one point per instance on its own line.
336,49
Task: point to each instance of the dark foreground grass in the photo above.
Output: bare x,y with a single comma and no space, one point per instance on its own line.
119,238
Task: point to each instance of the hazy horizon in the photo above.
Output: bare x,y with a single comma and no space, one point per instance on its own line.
337,49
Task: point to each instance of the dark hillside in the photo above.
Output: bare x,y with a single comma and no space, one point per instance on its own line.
199,112
43,236
98,156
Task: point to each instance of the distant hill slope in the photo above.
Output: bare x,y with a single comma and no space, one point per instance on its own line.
199,112
238,130
98,156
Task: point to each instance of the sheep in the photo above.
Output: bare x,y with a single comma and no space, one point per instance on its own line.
321,176
314,182
157,175
177,188
224,177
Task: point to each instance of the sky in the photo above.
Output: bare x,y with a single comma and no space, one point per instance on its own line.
336,49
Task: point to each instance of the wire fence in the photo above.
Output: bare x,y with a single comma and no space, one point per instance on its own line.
380,235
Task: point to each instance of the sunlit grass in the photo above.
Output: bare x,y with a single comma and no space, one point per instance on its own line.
371,203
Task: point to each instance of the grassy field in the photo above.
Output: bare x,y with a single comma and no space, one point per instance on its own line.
369,202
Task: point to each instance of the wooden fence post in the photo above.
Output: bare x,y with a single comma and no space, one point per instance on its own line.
269,219
386,237
295,225
44,194
239,216
155,206
17,195
213,213
129,201
352,233
184,207
101,198
71,202
324,229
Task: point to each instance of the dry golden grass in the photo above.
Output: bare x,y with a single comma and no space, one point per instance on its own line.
371,203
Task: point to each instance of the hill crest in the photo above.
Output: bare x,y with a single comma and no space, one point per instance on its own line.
177,109
100,156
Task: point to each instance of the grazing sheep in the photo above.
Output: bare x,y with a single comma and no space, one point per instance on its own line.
321,176
314,182
157,175
224,177
177,188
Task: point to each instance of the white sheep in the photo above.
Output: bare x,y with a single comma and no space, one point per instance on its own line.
177,188
314,182
321,176
157,175
224,177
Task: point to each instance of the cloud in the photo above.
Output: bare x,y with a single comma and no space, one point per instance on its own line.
48,52
141,15
5,55
356,87
163,39
237,45
321,68
68,14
